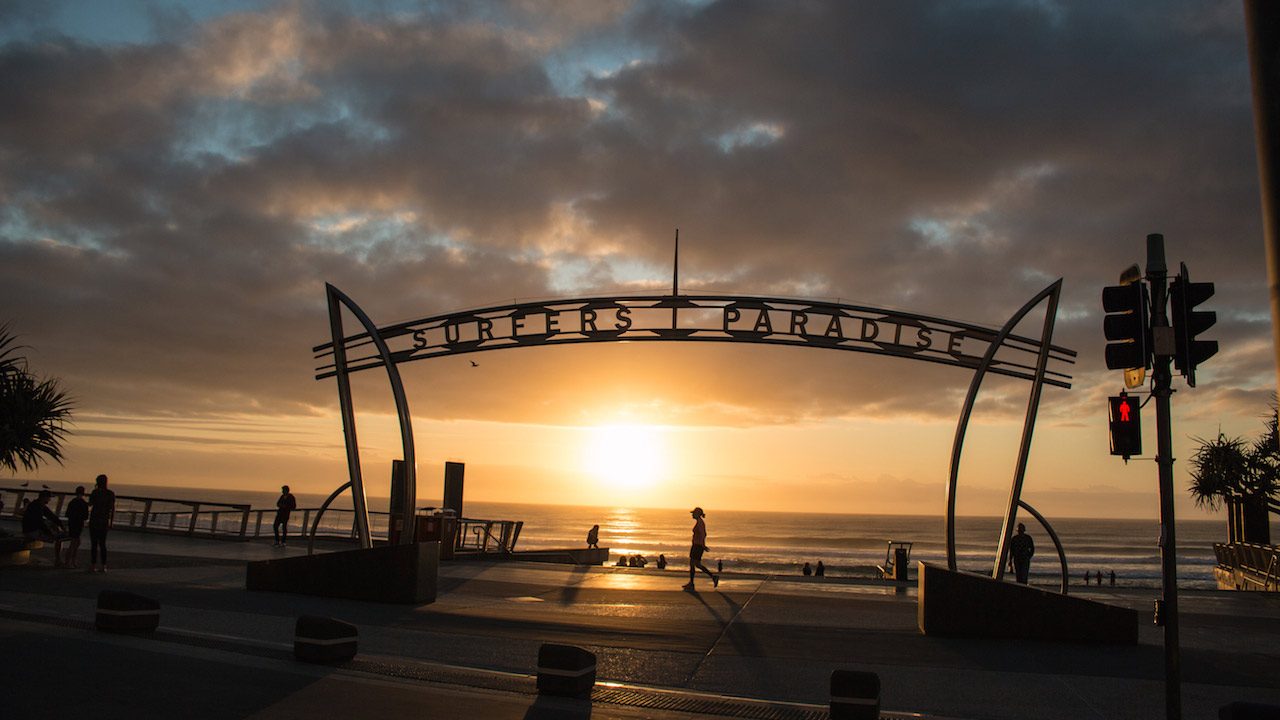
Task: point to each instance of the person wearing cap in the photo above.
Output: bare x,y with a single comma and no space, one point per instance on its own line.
1021,548
698,548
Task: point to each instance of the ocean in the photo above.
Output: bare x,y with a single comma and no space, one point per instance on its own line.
848,545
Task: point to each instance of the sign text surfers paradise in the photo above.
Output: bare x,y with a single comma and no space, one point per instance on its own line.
699,318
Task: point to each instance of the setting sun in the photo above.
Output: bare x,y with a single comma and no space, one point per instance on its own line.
624,457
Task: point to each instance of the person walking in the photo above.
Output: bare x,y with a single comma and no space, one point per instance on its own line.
593,537
699,547
102,512
285,505
1021,548
77,515
820,571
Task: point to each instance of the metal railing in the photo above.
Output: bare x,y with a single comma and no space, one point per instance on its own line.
488,535
231,521
1262,561
200,518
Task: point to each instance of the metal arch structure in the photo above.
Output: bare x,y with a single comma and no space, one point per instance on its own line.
698,318
337,299
988,364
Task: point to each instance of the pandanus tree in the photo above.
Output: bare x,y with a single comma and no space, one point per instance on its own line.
1241,476
34,412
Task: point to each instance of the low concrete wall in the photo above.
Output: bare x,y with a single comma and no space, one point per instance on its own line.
392,574
570,556
956,604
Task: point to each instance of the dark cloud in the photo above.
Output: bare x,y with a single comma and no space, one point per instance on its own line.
170,210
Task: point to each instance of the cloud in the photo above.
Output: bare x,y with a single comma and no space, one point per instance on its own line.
170,209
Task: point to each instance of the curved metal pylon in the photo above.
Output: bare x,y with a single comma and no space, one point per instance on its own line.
1051,293
337,298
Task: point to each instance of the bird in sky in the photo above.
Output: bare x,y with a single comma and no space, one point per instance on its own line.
475,364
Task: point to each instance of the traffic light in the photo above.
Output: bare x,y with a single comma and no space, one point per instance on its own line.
1126,326
1188,322
1125,425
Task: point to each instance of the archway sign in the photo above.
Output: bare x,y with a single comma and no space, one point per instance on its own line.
699,318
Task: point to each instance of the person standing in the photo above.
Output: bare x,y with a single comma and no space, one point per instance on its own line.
699,547
285,505
821,570
77,514
593,537
102,512
1021,548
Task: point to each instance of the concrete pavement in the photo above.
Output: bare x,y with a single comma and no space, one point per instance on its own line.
772,639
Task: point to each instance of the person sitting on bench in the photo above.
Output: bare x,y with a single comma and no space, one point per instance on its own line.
39,523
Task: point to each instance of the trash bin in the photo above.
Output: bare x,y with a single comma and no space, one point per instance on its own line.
900,555
437,526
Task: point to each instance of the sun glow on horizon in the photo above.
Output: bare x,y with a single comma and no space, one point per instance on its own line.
625,457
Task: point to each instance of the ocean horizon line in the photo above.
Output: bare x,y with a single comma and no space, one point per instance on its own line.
425,501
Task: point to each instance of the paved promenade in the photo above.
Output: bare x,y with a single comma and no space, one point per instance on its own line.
756,647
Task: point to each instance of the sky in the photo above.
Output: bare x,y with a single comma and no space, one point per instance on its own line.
178,181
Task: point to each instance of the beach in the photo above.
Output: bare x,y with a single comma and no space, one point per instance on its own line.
779,543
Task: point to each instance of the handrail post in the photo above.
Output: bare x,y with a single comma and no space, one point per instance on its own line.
195,513
146,514
244,522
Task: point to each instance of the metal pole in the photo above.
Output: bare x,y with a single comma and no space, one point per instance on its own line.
1262,26
1028,428
348,419
1157,276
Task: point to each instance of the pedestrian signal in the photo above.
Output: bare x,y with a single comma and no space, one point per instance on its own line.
1125,425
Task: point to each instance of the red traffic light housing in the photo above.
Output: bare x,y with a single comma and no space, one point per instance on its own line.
1124,415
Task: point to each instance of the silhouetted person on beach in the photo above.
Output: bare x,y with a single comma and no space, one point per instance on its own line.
662,561
1021,548
102,510
821,570
285,505
77,515
719,566
1113,578
699,547
1099,578
593,537
806,570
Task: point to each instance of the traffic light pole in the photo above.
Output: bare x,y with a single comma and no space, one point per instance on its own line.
1162,390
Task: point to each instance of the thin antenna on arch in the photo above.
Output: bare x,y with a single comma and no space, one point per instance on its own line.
675,277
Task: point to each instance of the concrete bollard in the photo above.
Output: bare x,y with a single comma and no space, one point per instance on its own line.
125,612
323,640
1248,711
566,670
855,695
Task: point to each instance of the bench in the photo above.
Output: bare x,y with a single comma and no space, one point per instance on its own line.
16,550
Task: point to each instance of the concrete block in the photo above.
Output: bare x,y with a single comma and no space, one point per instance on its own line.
855,695
405,574
1248,711
125,612
566,670
324,640
958,604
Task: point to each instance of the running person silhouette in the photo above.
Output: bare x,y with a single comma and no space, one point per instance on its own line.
698,547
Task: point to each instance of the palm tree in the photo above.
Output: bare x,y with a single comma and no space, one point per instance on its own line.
1244,477
33,412
1218,470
